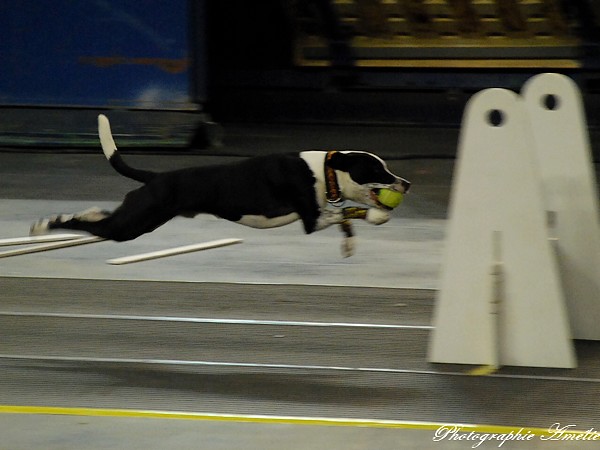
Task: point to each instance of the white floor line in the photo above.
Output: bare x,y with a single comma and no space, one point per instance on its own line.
200,320
380,370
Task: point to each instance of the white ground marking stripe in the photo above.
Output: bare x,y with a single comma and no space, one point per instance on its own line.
214,321
274,366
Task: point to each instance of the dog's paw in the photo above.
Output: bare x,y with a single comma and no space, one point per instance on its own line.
348,246
377,216
40,227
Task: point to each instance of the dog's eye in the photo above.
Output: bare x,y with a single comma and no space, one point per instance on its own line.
371,172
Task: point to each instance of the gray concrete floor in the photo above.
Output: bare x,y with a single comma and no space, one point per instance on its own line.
405,253
154,434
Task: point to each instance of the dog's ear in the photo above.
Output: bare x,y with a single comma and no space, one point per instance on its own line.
340,161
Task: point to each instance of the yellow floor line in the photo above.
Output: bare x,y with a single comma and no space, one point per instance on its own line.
289,420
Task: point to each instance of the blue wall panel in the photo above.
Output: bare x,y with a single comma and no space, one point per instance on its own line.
124,53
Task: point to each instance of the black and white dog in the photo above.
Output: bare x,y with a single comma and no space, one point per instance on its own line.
261,192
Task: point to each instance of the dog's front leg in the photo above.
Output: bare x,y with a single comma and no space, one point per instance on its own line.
372,215
377,216
330,215
348,244
348,241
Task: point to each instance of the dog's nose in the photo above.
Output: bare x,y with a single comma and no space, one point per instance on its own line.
405,185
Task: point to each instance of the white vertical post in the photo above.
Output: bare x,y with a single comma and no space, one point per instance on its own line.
570,193
496,189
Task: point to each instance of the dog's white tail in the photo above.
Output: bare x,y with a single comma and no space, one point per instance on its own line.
106,140
110,151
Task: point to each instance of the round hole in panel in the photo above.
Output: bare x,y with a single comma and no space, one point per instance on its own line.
495,118
551,102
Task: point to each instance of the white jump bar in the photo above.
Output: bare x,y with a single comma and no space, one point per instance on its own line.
174,251
38,239
51,246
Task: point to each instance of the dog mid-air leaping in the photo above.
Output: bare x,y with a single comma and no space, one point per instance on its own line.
261,192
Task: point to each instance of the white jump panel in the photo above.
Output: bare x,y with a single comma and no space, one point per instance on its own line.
174,251
51,246
38,239
496,211
564,159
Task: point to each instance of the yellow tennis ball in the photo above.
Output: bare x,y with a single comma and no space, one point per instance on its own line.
389,198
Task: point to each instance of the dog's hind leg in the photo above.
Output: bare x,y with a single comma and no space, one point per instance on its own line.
118,226
138,214
43,226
